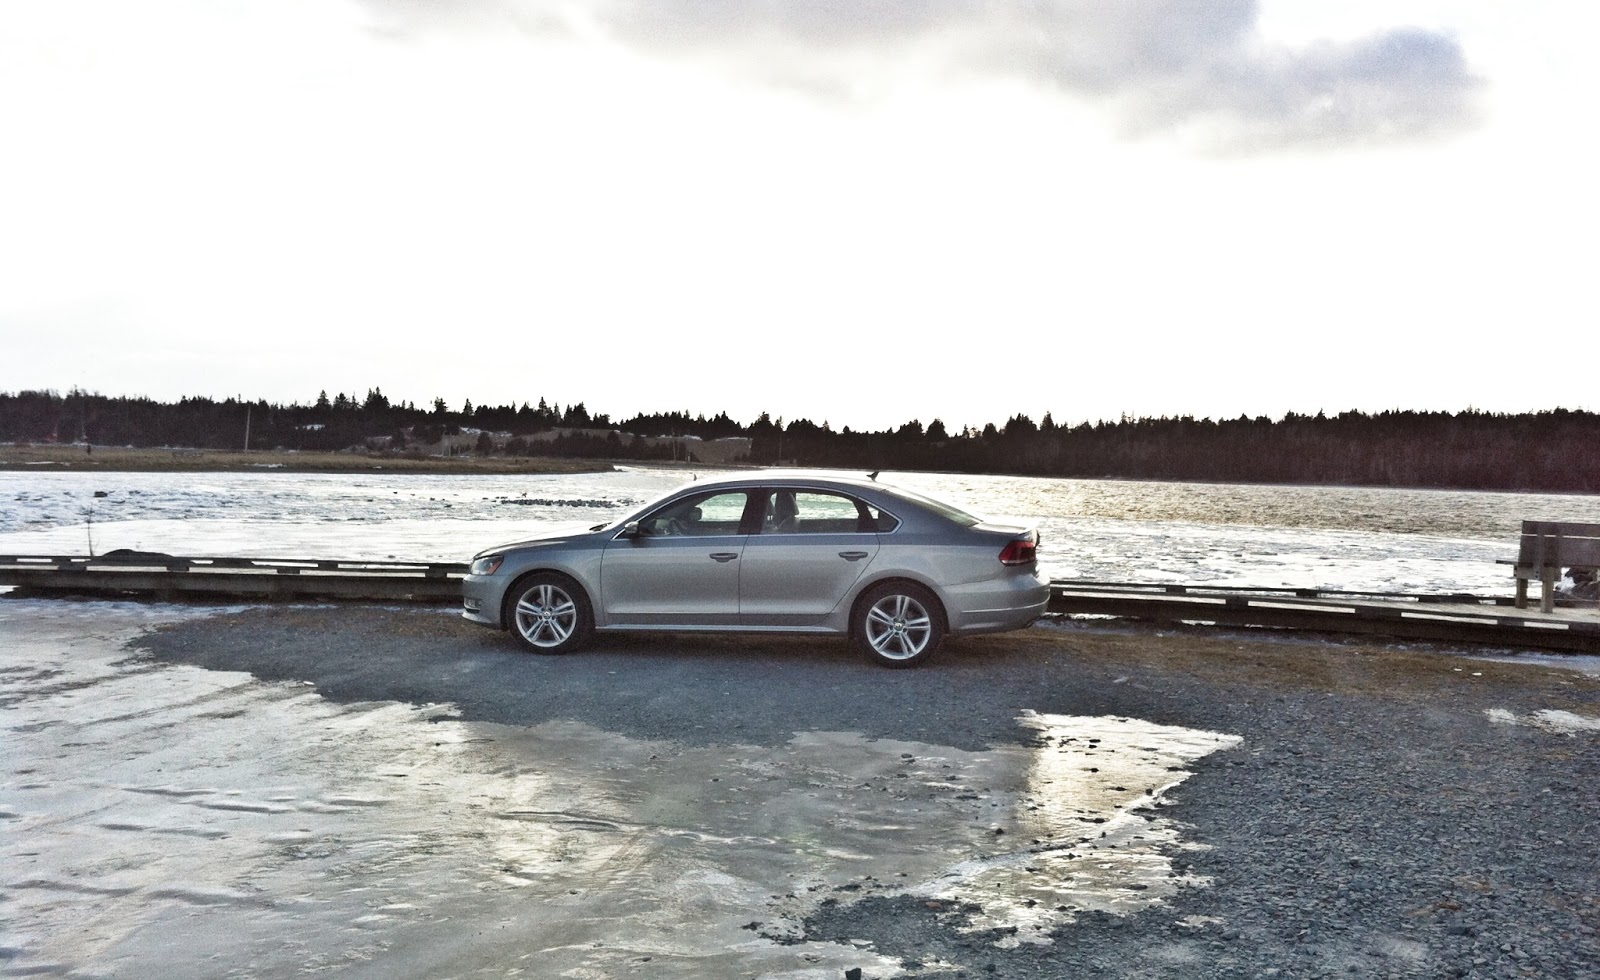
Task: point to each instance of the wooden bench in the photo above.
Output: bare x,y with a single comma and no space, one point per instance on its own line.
1547,548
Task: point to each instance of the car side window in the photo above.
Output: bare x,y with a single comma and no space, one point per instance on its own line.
818,512
715,514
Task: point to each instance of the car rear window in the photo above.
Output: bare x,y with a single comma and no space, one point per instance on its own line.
787,510
944,510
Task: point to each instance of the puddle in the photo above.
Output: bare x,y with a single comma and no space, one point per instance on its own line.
1582,663
190,823
1549,719
1088,834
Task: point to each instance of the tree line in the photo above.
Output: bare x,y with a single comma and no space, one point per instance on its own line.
1556,450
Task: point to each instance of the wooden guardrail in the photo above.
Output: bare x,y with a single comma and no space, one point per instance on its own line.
1455,618
170,575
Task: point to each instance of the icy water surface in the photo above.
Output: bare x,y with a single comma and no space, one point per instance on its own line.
179,822
1112,530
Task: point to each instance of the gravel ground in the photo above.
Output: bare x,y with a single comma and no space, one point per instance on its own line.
1390,811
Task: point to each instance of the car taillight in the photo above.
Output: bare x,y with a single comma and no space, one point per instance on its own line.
1022,551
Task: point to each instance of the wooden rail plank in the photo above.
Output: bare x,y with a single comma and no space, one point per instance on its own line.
1475,620
276,578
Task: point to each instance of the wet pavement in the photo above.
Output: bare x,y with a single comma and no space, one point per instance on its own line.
163,818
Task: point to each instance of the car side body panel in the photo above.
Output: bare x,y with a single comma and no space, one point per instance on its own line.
667,582
801,579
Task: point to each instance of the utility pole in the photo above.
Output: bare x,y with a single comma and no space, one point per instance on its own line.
247,428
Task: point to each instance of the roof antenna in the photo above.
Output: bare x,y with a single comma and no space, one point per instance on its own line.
873,476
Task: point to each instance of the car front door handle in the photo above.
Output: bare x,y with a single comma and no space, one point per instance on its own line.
852,555
724,556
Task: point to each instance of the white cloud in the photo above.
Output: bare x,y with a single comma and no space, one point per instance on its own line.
1202,71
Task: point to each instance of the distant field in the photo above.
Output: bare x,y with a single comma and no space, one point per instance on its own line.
111,459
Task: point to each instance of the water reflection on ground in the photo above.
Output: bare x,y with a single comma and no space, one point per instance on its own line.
180,822
1089,817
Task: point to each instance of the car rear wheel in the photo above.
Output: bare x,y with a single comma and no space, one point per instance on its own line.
549,613
898,624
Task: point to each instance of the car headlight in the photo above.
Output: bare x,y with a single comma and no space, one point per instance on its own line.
487,566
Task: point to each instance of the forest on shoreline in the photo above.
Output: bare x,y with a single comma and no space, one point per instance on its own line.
1553,451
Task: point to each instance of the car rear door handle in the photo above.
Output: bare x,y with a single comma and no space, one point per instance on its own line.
724,556
852,555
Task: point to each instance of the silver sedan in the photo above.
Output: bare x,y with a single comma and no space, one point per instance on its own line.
893,570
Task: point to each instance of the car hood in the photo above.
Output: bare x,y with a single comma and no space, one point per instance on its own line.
559,535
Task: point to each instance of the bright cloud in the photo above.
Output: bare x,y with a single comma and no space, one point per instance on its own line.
1201,71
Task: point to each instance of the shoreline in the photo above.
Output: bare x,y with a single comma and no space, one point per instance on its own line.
116,459
122,459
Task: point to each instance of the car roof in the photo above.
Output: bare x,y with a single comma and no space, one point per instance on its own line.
901,502
790,477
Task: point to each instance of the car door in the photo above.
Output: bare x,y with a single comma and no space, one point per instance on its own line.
681,568
812,547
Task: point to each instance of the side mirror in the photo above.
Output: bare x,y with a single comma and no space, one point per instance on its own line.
630,531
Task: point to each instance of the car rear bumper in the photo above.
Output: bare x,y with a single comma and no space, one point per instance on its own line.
994,607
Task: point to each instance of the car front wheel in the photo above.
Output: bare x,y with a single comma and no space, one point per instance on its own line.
898,624
550,614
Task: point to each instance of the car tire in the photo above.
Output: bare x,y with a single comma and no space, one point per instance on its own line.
549,613
897,624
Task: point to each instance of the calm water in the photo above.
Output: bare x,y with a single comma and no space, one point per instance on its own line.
1266,536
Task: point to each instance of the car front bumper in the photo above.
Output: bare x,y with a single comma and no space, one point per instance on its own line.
481,600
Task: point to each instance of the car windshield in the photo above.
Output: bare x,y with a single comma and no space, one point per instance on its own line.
637,512
944,510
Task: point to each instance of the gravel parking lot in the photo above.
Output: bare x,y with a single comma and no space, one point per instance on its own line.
1333,808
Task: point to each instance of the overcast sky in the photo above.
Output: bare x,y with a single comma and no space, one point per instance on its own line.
852,211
